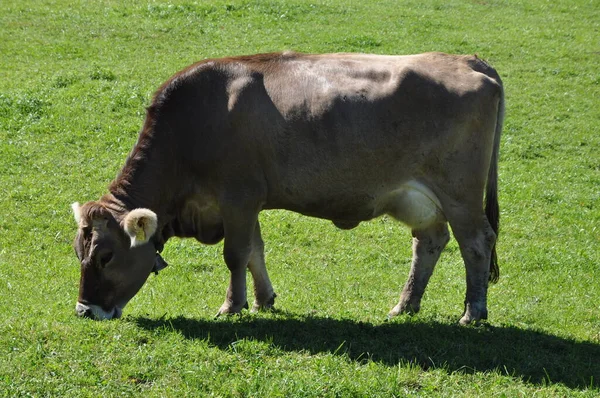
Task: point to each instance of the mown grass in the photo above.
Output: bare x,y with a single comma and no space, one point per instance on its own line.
74,80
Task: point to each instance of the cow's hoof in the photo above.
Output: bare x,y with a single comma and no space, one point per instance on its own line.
473,315
264,306
467,321
229,308
404,308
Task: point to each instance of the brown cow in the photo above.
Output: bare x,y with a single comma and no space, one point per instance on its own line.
344,137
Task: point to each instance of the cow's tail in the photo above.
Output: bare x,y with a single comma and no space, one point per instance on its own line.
492,209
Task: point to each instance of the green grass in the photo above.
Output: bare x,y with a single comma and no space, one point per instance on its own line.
74,80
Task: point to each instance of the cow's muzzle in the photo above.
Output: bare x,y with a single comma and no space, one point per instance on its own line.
96,312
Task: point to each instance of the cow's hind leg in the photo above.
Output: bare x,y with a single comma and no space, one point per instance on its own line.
476,239
428,243
264,296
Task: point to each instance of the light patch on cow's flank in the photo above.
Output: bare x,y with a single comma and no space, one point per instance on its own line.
413,204
421,208
423,190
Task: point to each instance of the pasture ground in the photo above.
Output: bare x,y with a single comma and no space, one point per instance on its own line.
74,79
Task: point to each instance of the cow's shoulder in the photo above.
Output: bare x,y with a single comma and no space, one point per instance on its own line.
220,76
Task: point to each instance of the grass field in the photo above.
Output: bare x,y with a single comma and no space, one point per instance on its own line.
75,77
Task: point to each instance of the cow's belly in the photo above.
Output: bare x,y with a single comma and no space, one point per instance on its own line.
411,203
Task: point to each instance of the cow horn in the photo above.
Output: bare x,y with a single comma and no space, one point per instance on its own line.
76,211
140,225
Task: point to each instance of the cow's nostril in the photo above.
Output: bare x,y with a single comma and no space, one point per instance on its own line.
88,313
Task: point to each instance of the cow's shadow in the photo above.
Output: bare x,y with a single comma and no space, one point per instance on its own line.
535,357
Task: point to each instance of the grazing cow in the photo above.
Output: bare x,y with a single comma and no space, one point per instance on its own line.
343,137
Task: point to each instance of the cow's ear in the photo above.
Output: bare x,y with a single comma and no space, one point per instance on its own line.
76,211
140,225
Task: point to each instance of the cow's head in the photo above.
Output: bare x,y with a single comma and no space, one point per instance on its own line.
116,258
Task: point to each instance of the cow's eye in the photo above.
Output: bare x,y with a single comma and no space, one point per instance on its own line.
105,258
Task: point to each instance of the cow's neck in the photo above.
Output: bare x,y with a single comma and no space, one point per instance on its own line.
148,180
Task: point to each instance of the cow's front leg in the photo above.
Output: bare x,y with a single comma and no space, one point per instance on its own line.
237,250
427,245
264,296
235,299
